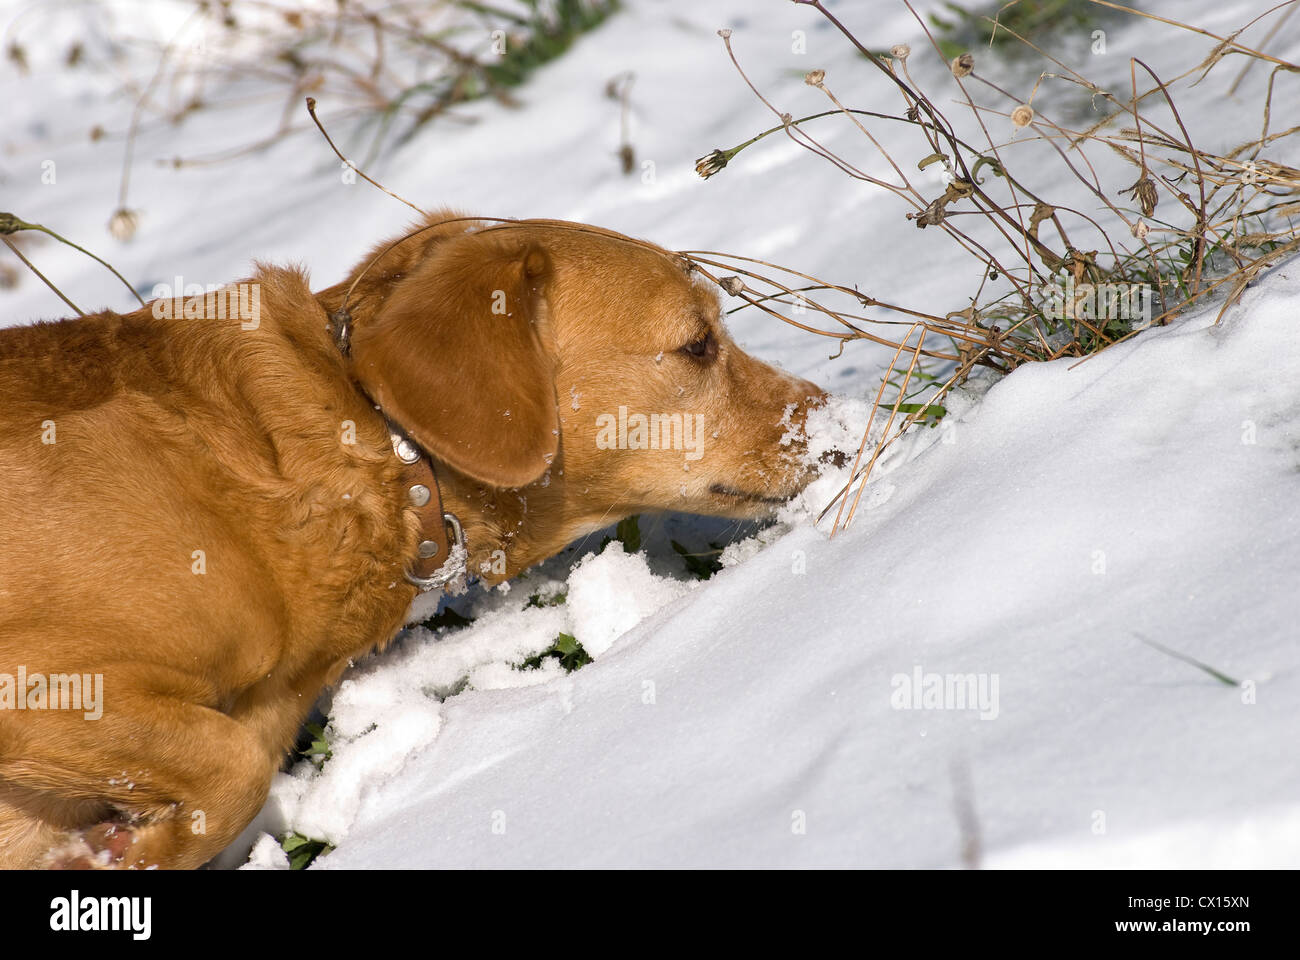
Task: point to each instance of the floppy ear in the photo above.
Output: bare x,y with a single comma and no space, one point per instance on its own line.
461,355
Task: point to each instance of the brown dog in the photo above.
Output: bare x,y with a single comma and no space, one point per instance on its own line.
203,520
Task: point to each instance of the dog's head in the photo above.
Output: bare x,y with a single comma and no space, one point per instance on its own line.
545,353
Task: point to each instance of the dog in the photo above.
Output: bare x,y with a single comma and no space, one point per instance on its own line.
204,519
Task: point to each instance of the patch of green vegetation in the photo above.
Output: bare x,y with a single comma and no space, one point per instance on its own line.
929,414
442,694
522,44
318,750
961,29
701,565
302,850
628,533
551,32
537,600
566,649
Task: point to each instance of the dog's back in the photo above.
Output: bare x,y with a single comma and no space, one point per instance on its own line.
178,496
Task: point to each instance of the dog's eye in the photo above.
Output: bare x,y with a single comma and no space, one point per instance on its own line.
705,348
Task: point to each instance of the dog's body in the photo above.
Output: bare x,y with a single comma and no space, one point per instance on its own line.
212,518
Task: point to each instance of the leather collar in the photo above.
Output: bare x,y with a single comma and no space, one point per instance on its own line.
441,556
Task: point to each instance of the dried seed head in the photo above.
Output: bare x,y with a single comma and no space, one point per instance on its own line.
814,78
733,285
1140,230
963,65
1022,116
931,216
1147,196
725,33
900,51
959,188
122,224
1144,192
18,56
711,164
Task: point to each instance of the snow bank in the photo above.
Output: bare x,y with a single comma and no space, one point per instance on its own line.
390,706
1074,513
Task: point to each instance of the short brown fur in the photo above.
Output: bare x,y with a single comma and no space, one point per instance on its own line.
172,436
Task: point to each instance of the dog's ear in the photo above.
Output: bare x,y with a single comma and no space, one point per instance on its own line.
461,355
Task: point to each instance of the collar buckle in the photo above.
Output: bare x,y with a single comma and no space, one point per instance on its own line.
453,567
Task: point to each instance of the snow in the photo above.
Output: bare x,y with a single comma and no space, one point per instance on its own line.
1057,523
770,692
266,855
611,593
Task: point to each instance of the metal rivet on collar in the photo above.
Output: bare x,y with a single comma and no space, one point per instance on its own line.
453,567
419,494
406,451
427,549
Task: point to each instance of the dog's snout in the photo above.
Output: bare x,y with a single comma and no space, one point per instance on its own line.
807,396
814,396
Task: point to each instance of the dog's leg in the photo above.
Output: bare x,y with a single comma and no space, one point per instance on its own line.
170,782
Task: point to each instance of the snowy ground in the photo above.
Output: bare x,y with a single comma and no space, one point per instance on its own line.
1057,520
